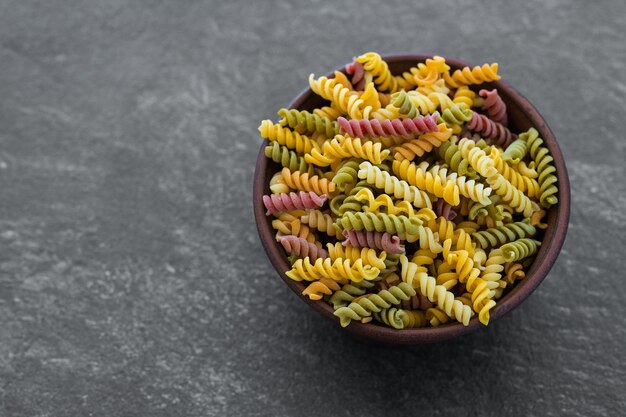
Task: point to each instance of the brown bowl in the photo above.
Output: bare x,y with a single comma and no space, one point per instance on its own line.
522,116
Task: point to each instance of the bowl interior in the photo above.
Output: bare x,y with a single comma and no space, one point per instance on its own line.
522,116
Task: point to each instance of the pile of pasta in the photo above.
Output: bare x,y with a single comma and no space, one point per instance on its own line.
407,199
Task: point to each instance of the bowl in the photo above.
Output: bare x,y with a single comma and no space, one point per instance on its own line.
522,115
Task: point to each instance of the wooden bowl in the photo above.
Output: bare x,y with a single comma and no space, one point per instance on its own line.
522,115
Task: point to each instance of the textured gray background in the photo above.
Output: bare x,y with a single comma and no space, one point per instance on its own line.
132,281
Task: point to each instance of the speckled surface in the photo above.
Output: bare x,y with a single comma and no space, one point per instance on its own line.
132,281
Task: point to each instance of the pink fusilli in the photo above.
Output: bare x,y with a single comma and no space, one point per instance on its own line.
494,106
443,209
301,247
276,203
377,240
357,71
489,129
406,128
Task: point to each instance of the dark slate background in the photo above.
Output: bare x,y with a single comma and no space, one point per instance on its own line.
132,280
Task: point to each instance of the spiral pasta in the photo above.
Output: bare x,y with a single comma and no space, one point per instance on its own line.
379,222
317,289
506,233
514,271
275,203
438,294
303,182
494,106
520,249
373,303
400,189
320,221
349,292
373,63
383,201
424,143
306,122
477,158
353,254
338,270
436,208
418,176
401,128
527,185
346,147
545,168
287,158
468,76
385,241
283,136
490,129
463,95
301,247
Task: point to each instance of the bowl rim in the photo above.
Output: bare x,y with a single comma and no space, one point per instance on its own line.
542,264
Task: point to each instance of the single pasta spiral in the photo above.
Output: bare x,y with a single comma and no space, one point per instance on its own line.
545,168
418,176
477,158
338,270
494,106
320,221
506,233
373,63
275,203
424,143
287,158
365,305
468,76
491,130
379,222
308,122
317,289
300,247
302,182
492,274
520,249
346,147
286,137
403,128
385,241
400,189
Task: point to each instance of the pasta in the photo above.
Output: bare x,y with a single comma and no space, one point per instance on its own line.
285,202
494,106
489,129
283,136
545,169
301,247
407,200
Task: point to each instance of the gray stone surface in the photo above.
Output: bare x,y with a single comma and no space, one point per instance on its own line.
132,280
